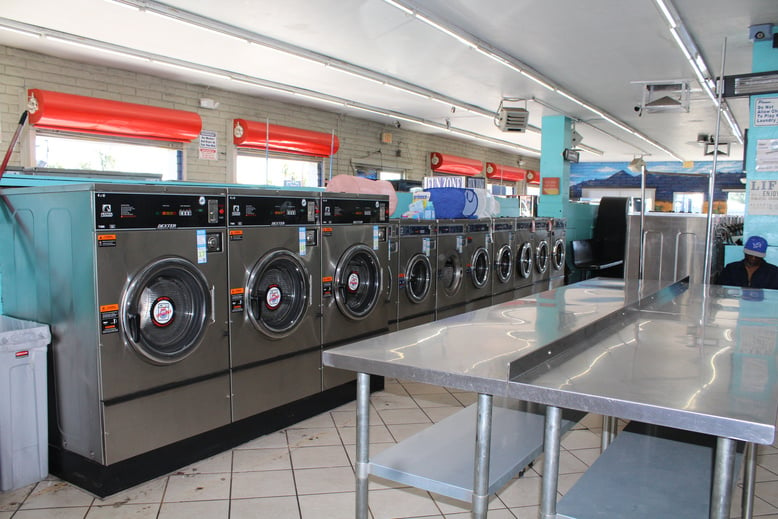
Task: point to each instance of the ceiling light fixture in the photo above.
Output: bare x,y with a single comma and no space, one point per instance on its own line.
692,54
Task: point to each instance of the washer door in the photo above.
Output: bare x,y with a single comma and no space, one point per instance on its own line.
418,278
558,255
357,282
526,260
166,310
541,257
480,268
503,264
278,291
450,274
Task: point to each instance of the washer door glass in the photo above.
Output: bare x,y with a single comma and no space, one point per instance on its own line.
278,294
166,310
558,255
541,257
479,270
418,278
357,282
503,264
450,274
526,260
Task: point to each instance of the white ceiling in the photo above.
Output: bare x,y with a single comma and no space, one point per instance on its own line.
598,51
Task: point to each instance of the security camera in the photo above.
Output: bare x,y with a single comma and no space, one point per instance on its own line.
760,32
397,124
639,110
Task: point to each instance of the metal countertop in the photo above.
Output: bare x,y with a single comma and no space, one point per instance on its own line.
703,361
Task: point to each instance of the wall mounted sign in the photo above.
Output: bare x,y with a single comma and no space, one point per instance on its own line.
550,186
767,155
763,197
766,111
208,145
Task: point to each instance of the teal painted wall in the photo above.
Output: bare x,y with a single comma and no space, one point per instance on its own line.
557,135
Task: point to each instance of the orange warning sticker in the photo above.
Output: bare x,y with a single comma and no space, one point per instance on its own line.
236,291
109,308
236,233
102,237
327,279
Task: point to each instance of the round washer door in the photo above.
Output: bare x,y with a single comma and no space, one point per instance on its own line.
357,282
418,278
541,257
450,274
526,260
558,255
277,293
480,268
503,264
166,310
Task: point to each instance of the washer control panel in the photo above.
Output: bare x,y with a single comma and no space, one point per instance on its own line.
158,211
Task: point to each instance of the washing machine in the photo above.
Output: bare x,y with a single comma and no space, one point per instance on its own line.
133,281
392,274
275,298
478,269
354,243
540,237
416,282
525,257
451,267
504,254
558,247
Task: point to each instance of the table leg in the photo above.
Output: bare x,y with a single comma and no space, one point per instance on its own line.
483,439
608,431
723,474
551,442
363,443
749,482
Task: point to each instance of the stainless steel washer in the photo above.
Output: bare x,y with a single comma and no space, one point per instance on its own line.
540,238
132,279
504,254
525,257
450,266
478,272
354,256
558,243
416,282
275,298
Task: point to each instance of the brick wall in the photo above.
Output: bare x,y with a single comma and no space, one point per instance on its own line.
359,138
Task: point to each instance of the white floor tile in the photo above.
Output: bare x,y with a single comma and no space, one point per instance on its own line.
197,487
403,502
319,457
377,434
52,513
329,506
402,431
217,464
417,388
51,493
265,508
124,511
324,481
451,506
403,416
10,500
191,509
521,492
580,439
150,492
312,437
268,483
383,401
316,422
251,460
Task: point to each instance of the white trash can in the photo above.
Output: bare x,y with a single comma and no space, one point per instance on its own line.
24,431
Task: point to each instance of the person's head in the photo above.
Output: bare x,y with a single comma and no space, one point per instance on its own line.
755,250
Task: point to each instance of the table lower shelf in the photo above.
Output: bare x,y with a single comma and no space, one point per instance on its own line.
441,458
647,472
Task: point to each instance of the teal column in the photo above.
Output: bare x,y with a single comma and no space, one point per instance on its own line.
765,58
557,134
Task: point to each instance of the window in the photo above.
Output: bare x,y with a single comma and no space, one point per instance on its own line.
501,190
736,202
377,173
108,154
278,170
688,202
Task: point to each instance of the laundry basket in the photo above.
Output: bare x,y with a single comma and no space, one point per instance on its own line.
24,455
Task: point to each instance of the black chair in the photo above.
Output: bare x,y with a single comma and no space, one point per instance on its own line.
584,258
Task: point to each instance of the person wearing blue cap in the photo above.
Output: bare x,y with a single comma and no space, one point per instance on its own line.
752,271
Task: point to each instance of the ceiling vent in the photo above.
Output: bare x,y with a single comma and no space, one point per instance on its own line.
669,96
511,119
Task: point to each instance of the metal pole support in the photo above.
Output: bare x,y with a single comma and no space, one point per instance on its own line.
483,440
552,440
363,443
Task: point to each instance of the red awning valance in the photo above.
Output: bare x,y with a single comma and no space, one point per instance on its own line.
75,113
455,165
274,137
533,177
500,172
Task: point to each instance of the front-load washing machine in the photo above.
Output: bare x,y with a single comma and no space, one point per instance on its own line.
133,281
558,245
354,257
504,254
416,281
525,257
450,266
275,298
478,270
392,274
540,237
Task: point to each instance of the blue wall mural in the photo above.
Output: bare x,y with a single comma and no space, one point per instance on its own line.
660,176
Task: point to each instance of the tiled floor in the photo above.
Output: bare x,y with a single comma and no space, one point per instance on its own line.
306,472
